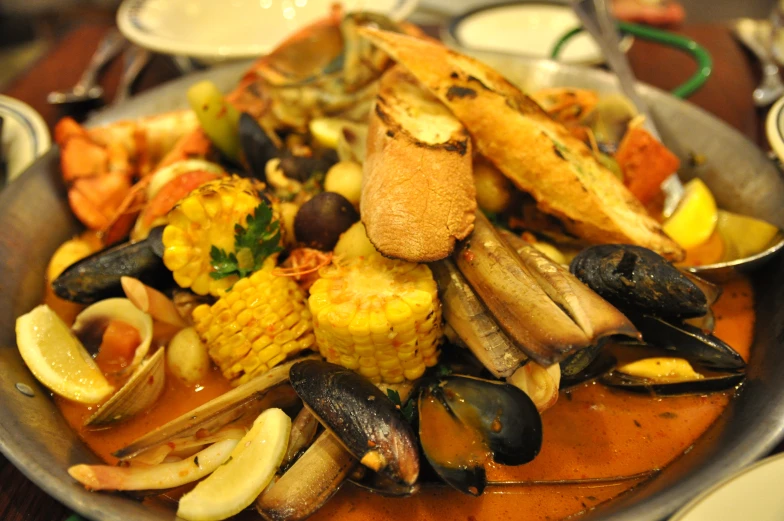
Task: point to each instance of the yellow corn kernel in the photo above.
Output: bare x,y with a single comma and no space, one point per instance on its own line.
377,316
245,342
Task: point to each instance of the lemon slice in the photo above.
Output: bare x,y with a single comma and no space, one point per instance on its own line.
57,358
695,218
744,236
250,468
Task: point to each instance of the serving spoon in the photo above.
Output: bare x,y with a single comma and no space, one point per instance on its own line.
595,17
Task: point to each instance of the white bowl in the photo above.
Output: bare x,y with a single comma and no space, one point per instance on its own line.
528,29
25,135
754,493
774,128
213,30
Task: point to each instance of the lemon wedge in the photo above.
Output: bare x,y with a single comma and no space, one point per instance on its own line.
248,471
58,359
744,236
326,131
695,218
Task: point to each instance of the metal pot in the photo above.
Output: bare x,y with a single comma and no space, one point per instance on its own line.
35,219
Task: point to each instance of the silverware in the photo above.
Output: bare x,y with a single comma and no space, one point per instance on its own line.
86,89
757,36
135,59
596,19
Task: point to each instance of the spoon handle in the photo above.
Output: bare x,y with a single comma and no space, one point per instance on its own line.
596,19
111,44
135,59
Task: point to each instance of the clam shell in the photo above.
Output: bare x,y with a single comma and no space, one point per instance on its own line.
140,392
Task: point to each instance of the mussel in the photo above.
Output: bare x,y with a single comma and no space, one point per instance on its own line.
635,278
465,422
365,421
97,277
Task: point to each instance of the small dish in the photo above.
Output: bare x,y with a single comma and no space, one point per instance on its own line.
527,29
774,128
25,135
213,31
753,493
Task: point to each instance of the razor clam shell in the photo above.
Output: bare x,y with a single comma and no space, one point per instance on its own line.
473,324
270,389
309,483
520,306
140,392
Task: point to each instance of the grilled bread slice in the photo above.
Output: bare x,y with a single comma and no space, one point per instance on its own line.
535,152
418,194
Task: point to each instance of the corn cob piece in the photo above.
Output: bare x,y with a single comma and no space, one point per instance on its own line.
262,321
206,218
377,316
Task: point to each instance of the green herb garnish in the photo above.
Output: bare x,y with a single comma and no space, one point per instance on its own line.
406,410
253,243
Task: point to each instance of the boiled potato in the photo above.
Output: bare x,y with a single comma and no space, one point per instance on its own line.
345,178
493,190
354,242
187,357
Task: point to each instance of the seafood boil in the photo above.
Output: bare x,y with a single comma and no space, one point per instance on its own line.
378,275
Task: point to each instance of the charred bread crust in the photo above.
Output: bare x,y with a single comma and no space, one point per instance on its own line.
418,194
536,153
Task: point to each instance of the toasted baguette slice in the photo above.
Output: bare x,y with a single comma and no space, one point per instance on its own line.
537,153
418,193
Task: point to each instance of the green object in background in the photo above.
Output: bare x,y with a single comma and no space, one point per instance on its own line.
698,52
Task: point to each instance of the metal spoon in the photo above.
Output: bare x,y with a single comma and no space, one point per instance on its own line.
757,37
135,59
86,88
595,18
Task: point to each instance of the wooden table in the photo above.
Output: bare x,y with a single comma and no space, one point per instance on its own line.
727,94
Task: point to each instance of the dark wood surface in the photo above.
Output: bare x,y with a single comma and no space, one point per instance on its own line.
727,94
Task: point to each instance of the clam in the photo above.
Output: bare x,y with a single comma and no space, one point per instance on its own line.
538,304
309,482
97,276
138,394
539,383
365,421
472,323
245,402
465,422
91,324
667,376
635,278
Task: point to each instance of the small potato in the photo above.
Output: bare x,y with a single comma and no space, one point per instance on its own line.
69,252
288,211
345,178
493,190
354,242
187,357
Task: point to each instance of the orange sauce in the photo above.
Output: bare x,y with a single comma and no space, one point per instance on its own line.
592,432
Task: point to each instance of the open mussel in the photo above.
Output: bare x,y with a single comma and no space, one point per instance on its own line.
668,377
465,422
635,278
97,276
359,414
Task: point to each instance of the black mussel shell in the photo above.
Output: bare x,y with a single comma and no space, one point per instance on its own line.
599,366
302,168
365,421
97,276
634,384
690,342
580,360
257,147
633,278
483,419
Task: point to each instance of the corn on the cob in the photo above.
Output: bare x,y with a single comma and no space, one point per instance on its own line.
260,322
206,218
379,317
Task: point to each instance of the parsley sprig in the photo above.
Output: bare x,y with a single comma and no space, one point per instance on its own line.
406,410
253,243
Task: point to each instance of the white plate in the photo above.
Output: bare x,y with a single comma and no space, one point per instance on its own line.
25,135
774,128
754,493
528,29
215,30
